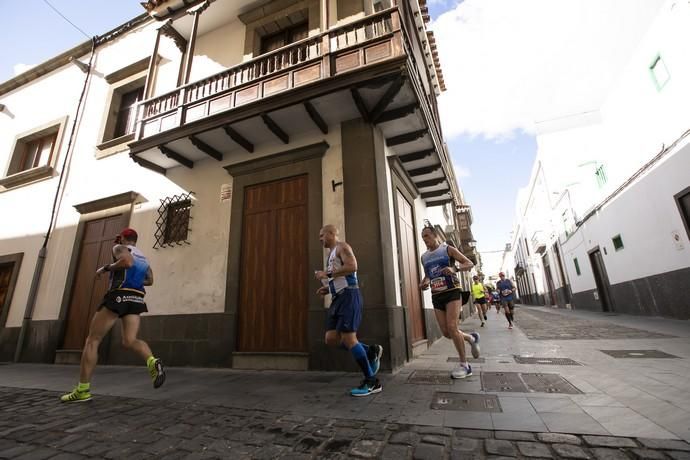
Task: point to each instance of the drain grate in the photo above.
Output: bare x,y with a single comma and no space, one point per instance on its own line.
503,381
455,359
466,402
554,361
549,383
430,378
638,354
526,383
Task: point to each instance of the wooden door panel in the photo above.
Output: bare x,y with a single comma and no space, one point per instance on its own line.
291,282
87,291
255,283
273,303
410,272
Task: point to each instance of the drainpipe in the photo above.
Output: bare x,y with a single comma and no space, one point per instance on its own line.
43,252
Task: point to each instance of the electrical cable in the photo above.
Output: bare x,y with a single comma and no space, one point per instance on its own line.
65,18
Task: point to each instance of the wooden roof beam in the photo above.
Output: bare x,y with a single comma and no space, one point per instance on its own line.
361,106
148,165
430,182
424,170
414,156
395,114
207,149
435,193
173,155
239,139
275,129
316,117
387,98
405,138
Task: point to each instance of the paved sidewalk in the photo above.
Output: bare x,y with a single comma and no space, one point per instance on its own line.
638,404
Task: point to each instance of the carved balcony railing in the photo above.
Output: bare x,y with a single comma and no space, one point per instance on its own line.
341,49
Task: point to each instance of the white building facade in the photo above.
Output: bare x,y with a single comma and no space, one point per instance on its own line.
226,133
604,225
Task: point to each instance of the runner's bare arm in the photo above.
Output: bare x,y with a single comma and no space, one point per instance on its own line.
465,263
148,280
424,285
345,253
123,259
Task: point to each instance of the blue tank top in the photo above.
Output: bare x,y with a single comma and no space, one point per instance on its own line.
434,262
131,278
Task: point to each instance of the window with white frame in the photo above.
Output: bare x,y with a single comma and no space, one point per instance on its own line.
33,155
659,71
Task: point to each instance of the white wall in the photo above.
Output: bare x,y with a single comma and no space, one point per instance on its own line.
644,216
626,132
27,208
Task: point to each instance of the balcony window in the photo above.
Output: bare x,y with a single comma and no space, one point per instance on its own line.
126,112
284,37
120,122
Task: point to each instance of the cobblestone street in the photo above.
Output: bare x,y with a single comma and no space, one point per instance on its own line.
34,426
509,408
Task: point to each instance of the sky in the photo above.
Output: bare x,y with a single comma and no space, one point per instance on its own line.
511,64
507,64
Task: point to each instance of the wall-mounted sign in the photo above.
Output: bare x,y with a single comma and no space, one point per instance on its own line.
677,240
225,192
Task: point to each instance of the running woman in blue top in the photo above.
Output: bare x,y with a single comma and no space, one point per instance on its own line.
345,313
129,273
438,262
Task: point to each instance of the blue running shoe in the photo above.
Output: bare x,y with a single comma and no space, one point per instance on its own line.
375,351
367,387
475,345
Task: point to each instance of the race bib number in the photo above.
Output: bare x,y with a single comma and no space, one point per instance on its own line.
439,284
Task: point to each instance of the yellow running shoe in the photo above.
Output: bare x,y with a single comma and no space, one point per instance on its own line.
157,372
76,396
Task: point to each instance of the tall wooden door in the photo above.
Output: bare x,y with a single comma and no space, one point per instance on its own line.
87,292
274,280
410,272
5,275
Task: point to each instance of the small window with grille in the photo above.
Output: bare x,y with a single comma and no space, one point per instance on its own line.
577,266
173,223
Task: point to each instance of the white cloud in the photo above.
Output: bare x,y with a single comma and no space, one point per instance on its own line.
21,68
510,63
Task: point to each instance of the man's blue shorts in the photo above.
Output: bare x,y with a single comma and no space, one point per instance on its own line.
345,312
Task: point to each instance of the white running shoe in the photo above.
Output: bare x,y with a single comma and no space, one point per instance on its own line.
461,372
475,345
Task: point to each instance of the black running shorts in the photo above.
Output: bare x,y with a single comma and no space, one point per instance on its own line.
442,299
124,303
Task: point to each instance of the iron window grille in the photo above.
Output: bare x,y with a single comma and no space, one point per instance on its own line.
174,218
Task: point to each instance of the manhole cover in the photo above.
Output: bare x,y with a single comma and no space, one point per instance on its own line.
638,354
549,383
455,359
466,402
517,382
430,378
555,361
503,381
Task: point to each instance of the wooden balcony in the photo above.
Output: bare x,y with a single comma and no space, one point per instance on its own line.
340,50
363,69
